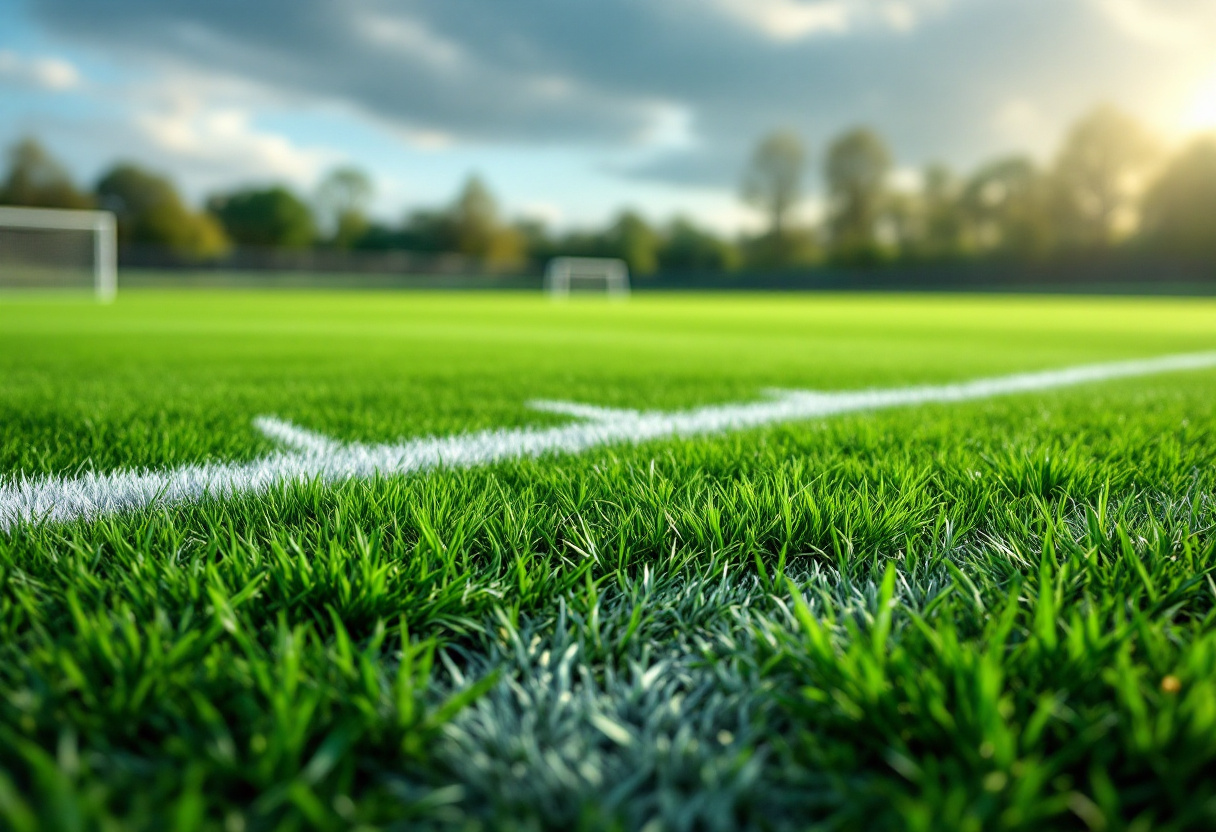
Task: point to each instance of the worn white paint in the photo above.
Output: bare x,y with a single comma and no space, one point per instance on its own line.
312,456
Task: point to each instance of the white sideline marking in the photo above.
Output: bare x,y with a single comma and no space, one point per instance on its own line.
59,499
583,411
294,437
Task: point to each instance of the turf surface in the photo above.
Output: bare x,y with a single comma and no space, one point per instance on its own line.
993,615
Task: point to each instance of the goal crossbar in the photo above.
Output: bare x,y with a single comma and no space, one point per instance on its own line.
102,225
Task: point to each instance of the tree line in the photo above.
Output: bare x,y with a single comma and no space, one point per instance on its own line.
1111,186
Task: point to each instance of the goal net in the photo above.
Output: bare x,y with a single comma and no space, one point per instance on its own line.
51,249
565,275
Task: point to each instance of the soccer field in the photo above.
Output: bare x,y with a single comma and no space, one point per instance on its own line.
992,613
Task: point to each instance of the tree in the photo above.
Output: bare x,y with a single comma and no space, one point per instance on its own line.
943,218
429,231
856,171
1097,175
150,211
687,247
508,248
539,245
635,242
342,200
37,179
1005,204
270,217
477,230
475,217
773,180
583,243
927,224
901,224
1180,207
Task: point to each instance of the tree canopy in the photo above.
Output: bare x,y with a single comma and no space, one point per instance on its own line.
342,200
1180,207
685,247
267,217
1097,175
151,212
37,179
1005,205
856,171
773,179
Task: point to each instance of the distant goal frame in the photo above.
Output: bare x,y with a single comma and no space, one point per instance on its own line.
562,273
101,224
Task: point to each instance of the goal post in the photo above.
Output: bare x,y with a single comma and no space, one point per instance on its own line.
565,275
51,248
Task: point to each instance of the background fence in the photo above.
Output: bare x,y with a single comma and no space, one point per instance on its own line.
322,269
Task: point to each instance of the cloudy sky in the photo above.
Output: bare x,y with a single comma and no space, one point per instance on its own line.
574,108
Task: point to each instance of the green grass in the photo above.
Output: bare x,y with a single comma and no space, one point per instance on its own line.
993,615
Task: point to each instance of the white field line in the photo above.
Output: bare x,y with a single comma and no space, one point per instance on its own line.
58,499
583,411
296,438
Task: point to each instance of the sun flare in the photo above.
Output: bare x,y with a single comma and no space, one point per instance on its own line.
1201,114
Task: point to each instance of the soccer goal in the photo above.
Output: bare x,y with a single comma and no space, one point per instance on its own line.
565,275
44,248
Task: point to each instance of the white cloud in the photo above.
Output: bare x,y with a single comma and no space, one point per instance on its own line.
794,20
410,38
901,17
549,213
1170,23
670,128
45,73
1019,122
431,140
788,20
54,74
223,141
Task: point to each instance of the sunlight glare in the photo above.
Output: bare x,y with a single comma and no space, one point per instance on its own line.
1201,115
